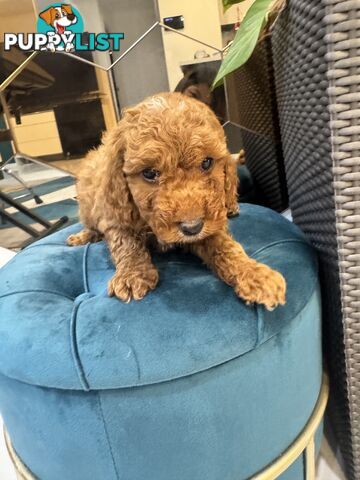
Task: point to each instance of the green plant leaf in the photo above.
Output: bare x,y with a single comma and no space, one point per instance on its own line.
229,3
245,39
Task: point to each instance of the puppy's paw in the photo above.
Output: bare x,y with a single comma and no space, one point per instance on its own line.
260,284
83,237
233,210
133,286
241,160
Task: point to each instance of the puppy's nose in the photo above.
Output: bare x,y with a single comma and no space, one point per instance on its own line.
191,228
70,16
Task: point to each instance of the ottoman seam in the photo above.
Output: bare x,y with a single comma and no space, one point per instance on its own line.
37,291
260,326
75,351
107,435
85,273
58,244
279,242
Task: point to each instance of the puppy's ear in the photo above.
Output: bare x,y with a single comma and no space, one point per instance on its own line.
114,143
114,183
231,187
47,15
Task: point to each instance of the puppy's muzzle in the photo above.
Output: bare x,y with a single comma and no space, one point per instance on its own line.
191,228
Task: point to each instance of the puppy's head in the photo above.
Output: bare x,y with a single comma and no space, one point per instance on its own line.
174,163
59,17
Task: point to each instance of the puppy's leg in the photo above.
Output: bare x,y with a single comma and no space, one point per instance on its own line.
135,273
252,281
84,237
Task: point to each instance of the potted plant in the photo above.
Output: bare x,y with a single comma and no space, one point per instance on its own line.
257,22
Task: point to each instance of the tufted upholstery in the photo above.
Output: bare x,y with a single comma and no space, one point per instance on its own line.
188,376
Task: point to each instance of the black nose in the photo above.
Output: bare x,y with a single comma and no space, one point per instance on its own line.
70,16
191,228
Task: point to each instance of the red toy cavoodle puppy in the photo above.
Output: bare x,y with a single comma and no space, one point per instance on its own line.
164,171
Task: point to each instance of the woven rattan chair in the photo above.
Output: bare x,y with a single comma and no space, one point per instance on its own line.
316,49
253,108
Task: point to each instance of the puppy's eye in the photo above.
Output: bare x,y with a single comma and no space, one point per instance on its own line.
207,163
57,15
150,174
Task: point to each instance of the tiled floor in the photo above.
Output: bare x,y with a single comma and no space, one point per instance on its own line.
13,237
34,174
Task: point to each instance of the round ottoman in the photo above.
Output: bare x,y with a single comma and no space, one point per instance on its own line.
187,384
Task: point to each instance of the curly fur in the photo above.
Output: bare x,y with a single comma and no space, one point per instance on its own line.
171,134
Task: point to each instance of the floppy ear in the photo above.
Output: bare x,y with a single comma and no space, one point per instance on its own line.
114,184
231,187
47,15
67,8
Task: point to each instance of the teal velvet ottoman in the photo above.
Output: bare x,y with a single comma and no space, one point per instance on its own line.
187,384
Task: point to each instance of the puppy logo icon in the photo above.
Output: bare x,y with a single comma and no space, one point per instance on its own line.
59,17
60,21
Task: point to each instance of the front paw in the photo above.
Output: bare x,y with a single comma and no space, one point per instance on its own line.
260,284
233,210
129,286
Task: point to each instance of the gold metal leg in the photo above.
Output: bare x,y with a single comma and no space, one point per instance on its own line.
22,472
310,460
304,442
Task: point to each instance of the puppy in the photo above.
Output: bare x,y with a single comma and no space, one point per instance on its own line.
165,171
59,17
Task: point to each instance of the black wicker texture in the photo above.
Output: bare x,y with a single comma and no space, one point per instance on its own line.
253,106
261,159
299,50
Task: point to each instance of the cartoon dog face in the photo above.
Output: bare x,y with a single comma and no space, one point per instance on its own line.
59,17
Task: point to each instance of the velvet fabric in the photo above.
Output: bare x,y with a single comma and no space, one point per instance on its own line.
189,383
